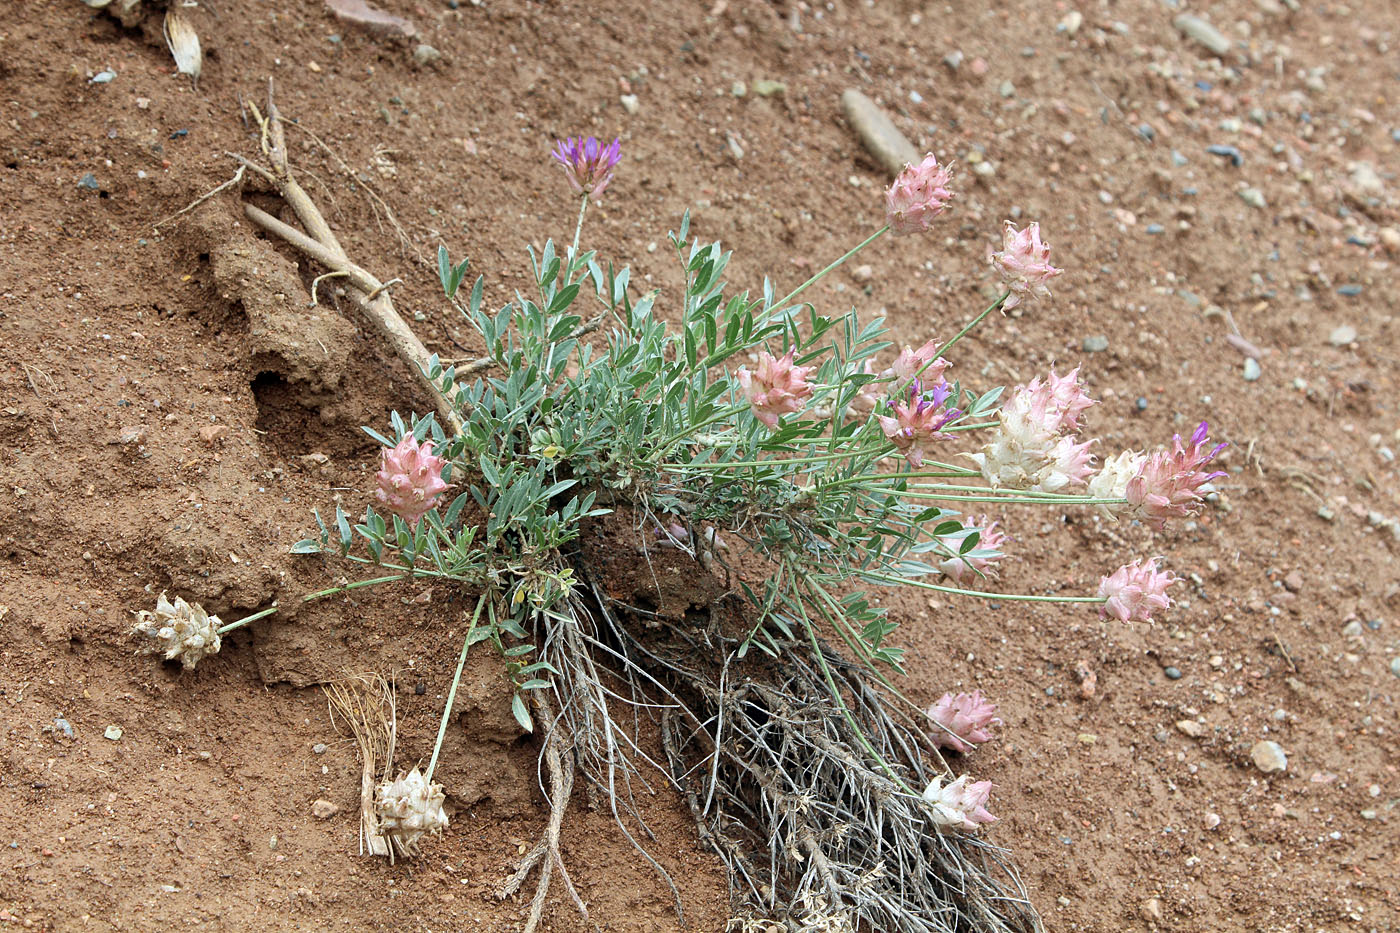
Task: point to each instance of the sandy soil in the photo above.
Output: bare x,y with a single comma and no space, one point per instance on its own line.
1134,808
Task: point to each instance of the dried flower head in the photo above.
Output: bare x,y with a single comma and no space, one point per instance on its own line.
918,195
179,630
1135,590
407,809
588,163
977,562
410,479
777,388
961,805
1111,481
1029,449
965,718
1024,264
1170,484
910,362
916,422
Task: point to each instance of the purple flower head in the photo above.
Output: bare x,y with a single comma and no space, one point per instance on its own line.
588,163
916,423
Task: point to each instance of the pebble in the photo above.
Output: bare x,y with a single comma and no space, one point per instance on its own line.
1006,89
1096,344
764,87
1253,197
884,141
319,748
1193,27
1342,335
1190,727
1395,665
953,60
1294,580
738,89
1252,371
1147,132
112,732
630,103
1155,229
134,434
1269,757
103,77
1227,152
324,809
64,726
863,273
1368,814
1172,673
88,181
1071,23
424,54
1141,403
1351,291
1178,159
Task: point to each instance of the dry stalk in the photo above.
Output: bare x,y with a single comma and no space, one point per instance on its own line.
367,706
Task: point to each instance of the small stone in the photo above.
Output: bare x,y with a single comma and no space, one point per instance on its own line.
324,809
1063,901
1071,23
88,181
764,87
1096,344
1212,820
884,141
630,103
1178,159
979,66
1353,629
1350,291
1193,27
1172,673
1006,89
1227,152
953,60
103,77
1390,239
213,434
1269,757
64,726
112,732
1342,335
319,748
424,54
132,435
1251,370
1152,909
1190,727
1141,403
1395,665
1368,814
1155,229
1253,197
863,273
738,89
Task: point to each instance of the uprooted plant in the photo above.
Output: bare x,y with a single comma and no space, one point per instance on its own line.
764,440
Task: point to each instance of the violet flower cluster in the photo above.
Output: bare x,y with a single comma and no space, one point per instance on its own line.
588,163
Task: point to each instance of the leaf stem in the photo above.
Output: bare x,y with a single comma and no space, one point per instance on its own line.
957,591
456,679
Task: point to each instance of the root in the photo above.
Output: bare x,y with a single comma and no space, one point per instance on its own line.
546,854
366,704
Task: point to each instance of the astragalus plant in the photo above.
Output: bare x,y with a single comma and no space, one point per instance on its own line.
801,457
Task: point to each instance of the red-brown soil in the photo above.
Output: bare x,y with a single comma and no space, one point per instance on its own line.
119,343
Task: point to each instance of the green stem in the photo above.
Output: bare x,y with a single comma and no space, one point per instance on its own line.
456,679
1068,498
1019,500
957,591
782,303
578,229
776,461
319,594
971,324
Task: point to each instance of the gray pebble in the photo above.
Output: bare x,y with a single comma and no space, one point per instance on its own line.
1155,229
1269,757
1395,665
1227,152
1350,291
1193,27
1006,89
103,77
1251,370
88,181
880,136
1095,344
1178,159
1141,403
319,748
62,725
953,60
424,54
1368,814
1172,673
1147,132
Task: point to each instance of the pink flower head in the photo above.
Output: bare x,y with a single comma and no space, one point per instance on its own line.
910,361
918,195
410,479
1059,401
1168,485
777,388
1135,590
916,422
965,719
962,567
961,804
588,163
1024,264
